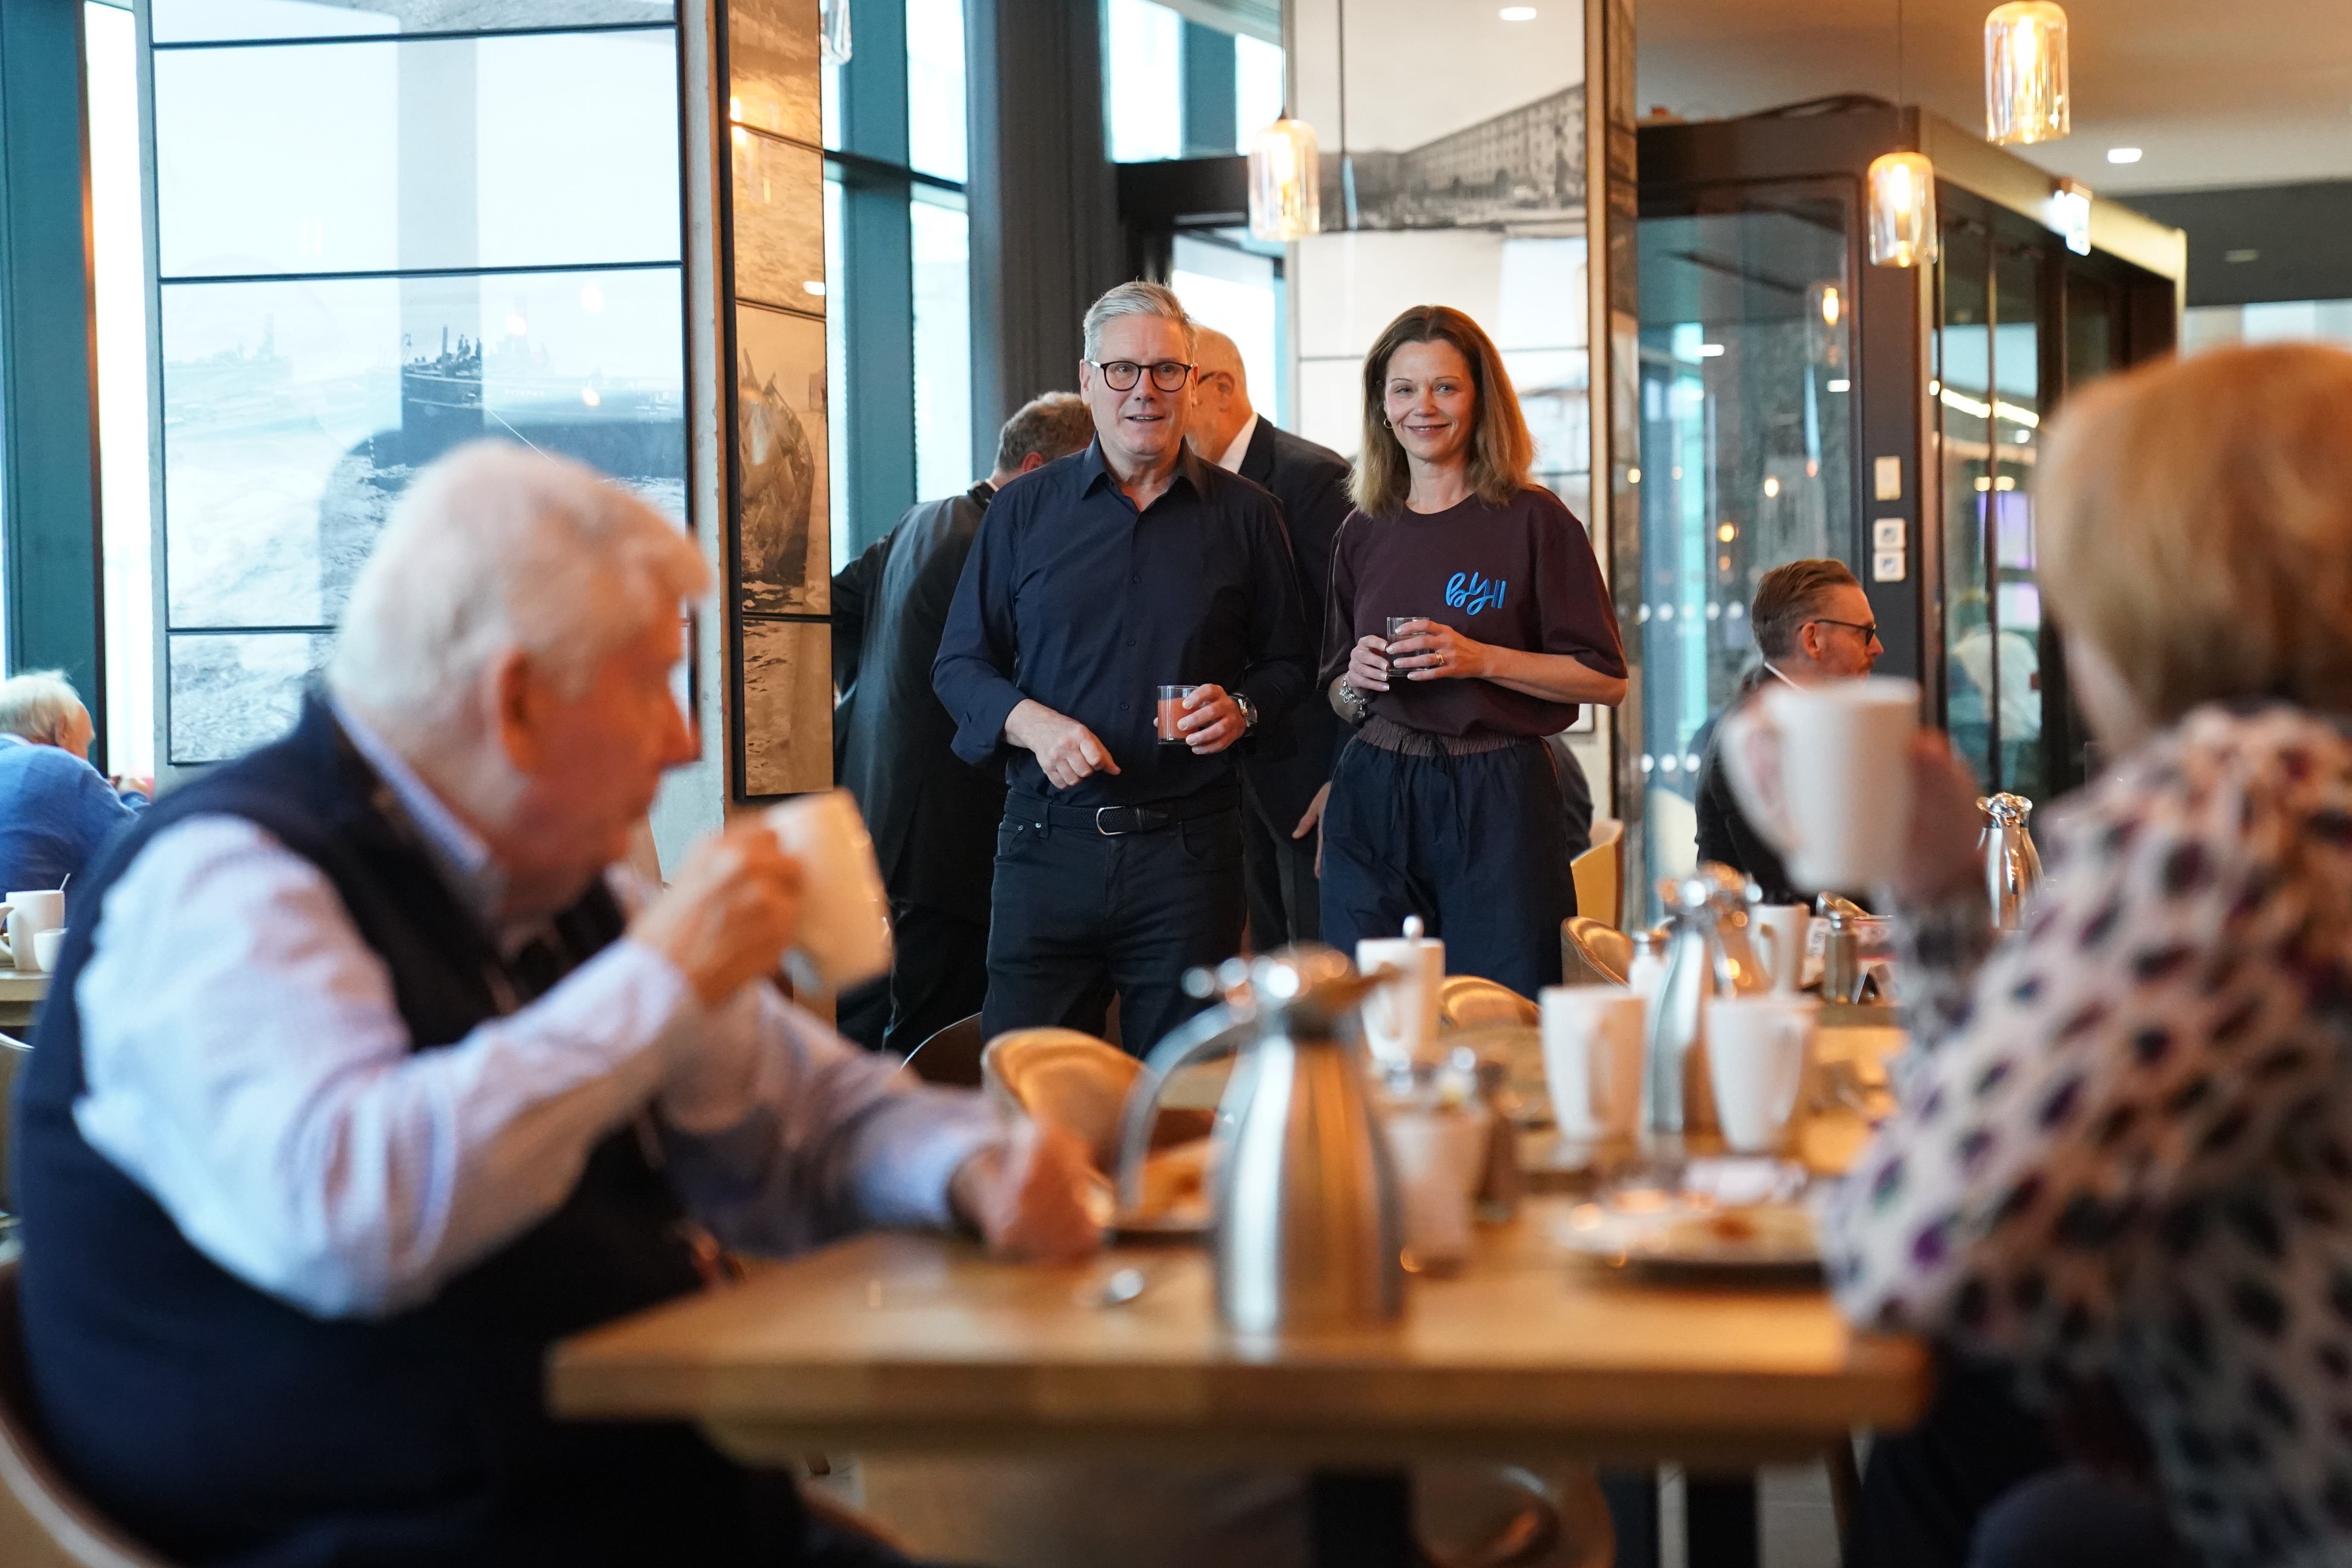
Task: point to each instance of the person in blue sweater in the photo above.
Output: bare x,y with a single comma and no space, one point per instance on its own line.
55,808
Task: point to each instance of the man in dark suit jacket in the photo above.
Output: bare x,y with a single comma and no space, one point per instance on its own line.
933,817
1283,797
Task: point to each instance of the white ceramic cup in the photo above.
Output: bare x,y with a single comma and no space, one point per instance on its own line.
46,945
844,927
1756,1051
1438,1156
29,913
1781,930
1826,772
1401,1013
1592,1044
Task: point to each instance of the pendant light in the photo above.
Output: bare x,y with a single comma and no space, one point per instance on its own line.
1902,228
2026,97
1285,178
833,32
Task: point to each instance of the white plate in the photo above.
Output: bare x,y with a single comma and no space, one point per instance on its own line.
1776,1236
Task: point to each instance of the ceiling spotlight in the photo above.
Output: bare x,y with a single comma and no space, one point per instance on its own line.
1710,350
2238,257
1518,13
2123,154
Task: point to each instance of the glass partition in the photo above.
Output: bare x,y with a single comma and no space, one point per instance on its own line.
1748,388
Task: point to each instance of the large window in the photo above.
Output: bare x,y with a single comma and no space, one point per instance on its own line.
898,268
1179,86
120,252
372,249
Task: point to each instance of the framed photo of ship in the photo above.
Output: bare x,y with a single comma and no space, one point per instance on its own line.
782,534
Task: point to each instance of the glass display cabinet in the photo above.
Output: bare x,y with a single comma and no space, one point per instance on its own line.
1795,401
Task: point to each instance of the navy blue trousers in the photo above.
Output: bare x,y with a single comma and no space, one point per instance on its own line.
1475,845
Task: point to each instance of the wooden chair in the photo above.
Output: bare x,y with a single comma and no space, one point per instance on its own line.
1600,874
1472,1001
951,1056
44,1522
1592,953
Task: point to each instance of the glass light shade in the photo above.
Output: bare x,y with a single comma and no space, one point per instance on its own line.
833,32
1286,179
2026,97
1903,230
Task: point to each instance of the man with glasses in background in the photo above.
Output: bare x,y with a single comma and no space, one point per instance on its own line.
1814,624
1094,582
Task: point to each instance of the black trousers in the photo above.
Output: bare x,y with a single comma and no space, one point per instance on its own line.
1278,877
1924,1491
1078,915
1475,845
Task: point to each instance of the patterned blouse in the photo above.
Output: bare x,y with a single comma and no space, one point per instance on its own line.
2124,1146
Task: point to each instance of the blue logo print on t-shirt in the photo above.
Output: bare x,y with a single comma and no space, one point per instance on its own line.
1470,592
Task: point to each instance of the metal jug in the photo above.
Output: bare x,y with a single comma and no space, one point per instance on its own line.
1307,1230
2012,865
1705,915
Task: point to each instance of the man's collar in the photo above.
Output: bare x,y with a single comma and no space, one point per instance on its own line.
1238,447
1098,470
457,852
1773,670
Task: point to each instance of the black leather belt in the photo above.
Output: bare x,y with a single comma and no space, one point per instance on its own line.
1119,821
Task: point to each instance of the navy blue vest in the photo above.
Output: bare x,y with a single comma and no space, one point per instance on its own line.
224,1426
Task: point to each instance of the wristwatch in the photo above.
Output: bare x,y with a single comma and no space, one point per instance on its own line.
1249,713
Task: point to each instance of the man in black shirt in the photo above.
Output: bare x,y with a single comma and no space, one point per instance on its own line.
1092,580
1282,798
933,817
1812,623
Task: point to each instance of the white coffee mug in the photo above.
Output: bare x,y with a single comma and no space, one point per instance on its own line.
1438,1156
1401,1013
29,913
1756,1051
1781,932
844,927
1592,1044
1825,771
46,945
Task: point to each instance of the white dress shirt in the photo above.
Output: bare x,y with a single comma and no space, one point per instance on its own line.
1238,447
245,1063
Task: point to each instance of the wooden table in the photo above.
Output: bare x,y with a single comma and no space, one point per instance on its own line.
20,1001
918,1343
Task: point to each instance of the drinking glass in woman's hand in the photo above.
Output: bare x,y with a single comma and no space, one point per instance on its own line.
1437,652
1368,664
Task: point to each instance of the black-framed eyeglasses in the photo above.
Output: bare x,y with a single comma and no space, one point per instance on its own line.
1121,374
1869,629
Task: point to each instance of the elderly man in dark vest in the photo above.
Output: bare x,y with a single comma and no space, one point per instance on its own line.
367,1074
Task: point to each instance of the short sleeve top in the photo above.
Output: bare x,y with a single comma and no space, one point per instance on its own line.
1519,575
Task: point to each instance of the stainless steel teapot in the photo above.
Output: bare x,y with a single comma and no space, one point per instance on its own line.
2012,865
1706,955
1306,1228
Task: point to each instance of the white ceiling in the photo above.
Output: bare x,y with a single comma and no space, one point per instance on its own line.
2242,92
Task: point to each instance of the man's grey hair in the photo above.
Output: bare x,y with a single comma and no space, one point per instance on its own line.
1137,299
1053,426
39,705
493,548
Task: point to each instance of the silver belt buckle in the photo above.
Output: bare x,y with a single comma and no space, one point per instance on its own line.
1109,833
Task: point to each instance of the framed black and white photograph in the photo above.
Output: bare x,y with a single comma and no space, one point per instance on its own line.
782,543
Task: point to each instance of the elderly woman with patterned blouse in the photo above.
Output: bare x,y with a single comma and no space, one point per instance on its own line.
2124,1148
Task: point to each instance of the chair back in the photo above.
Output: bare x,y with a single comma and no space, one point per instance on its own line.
44,1522
1472,1002
14,1054
1600,874
1592,953
1070,1079
950,1056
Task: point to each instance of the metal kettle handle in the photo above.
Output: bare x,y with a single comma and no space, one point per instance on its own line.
1222,1029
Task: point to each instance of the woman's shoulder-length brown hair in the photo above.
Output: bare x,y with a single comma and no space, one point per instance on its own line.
1502,453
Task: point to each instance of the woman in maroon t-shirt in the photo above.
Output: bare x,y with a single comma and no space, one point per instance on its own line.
1444,804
